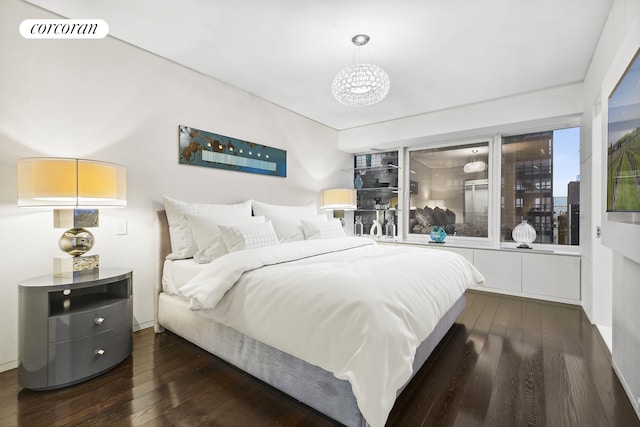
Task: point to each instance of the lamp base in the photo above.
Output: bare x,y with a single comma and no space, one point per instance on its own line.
523,246
77,265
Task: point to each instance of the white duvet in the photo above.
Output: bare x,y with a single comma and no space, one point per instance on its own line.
350,306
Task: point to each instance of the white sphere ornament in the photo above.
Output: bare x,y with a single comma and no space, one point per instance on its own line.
524,234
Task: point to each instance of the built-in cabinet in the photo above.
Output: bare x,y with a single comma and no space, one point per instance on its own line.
376,180
505,276
556,275
522,272
529,273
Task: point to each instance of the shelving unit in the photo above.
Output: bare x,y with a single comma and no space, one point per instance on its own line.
376,180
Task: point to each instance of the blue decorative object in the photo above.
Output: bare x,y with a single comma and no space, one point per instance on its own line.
358,182
201,148
438,234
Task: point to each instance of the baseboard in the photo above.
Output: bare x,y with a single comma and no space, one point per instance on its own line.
141,326
526,295
606,332
635,401
8,366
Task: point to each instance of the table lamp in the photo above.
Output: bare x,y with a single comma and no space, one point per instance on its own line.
75,188
343,199
338,199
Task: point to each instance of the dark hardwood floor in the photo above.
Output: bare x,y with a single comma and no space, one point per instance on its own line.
507,362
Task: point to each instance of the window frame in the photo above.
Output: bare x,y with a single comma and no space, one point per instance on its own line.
457,240
493,239
549,247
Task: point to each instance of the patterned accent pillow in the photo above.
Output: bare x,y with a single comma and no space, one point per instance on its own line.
248,236
206,232
314,229
183,245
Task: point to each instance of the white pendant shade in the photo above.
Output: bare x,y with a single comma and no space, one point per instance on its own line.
474,167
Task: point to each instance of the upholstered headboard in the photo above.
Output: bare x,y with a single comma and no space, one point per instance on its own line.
164,250
165,242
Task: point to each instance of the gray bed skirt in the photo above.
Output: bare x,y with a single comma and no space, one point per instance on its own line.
309,384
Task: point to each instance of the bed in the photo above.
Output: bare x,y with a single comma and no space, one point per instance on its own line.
312,317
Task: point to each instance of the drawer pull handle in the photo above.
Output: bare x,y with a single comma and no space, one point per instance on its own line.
99,352
99,320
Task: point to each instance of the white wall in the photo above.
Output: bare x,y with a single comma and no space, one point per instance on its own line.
615,289
106,100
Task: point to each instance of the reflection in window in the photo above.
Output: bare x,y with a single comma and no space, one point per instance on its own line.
449,187
540,183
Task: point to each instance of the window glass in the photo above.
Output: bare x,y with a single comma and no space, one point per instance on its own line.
449,187
541,184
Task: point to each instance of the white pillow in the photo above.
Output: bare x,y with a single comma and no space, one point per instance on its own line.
289,229
183,244
268,210
248,236
314,229
285,218
206,233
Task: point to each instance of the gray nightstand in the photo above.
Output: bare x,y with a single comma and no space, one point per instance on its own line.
72,329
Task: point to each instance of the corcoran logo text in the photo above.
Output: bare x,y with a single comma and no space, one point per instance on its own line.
64,28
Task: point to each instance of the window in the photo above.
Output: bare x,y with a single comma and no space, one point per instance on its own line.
449,187
541,183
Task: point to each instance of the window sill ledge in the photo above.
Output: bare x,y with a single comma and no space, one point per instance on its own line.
473,245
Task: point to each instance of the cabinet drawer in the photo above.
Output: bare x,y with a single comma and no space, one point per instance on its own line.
74,325
501,270
559,278
76,360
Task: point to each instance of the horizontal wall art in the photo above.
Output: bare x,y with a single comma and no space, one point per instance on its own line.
201,148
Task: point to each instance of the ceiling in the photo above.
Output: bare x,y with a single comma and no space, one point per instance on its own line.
439,54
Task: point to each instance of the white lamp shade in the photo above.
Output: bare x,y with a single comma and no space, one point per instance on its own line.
59,182
338,199
474,167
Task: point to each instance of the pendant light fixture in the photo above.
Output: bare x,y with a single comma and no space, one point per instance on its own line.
361,84
474,166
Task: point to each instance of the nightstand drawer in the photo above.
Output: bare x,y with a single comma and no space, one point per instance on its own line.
74,325
80,359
